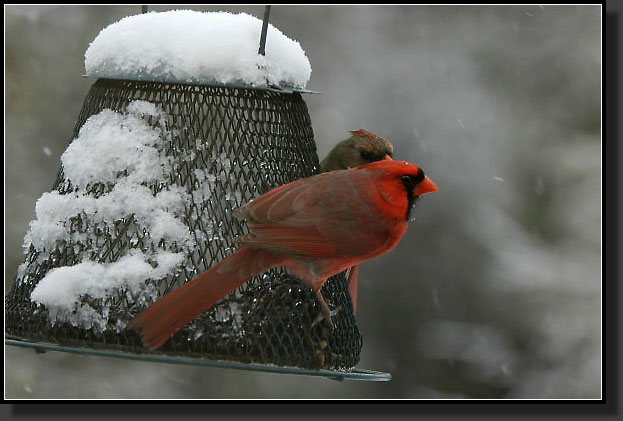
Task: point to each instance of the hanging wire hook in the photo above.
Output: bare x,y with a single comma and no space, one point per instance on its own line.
262,49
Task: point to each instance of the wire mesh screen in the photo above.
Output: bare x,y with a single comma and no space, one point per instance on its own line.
225,146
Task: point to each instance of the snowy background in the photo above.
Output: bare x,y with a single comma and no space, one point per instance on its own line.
494,290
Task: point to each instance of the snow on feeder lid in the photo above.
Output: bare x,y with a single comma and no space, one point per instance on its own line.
185,46
143,203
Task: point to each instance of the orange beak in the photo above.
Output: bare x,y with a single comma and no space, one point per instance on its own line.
425,186
387,158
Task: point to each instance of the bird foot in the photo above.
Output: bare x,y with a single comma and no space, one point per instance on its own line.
325,313
322,317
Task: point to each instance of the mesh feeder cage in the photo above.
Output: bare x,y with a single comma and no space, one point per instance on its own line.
252,140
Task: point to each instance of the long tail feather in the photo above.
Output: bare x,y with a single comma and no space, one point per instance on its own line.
353,280
179,307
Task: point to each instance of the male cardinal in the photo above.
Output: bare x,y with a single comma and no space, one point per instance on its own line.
361,148
316,227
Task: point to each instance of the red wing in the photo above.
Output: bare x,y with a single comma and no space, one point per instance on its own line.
285,219
304,240
283,201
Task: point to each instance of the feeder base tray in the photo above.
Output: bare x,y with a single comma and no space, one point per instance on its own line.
353,374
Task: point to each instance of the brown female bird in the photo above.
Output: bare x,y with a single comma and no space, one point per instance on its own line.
361,148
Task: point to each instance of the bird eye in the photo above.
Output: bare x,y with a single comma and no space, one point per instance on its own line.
411,180
365,155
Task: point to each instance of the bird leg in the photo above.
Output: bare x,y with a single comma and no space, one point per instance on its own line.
325,312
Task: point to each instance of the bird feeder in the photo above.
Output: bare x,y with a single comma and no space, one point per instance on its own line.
160,157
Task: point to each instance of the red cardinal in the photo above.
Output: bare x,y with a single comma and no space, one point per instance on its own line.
361,148
316,227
